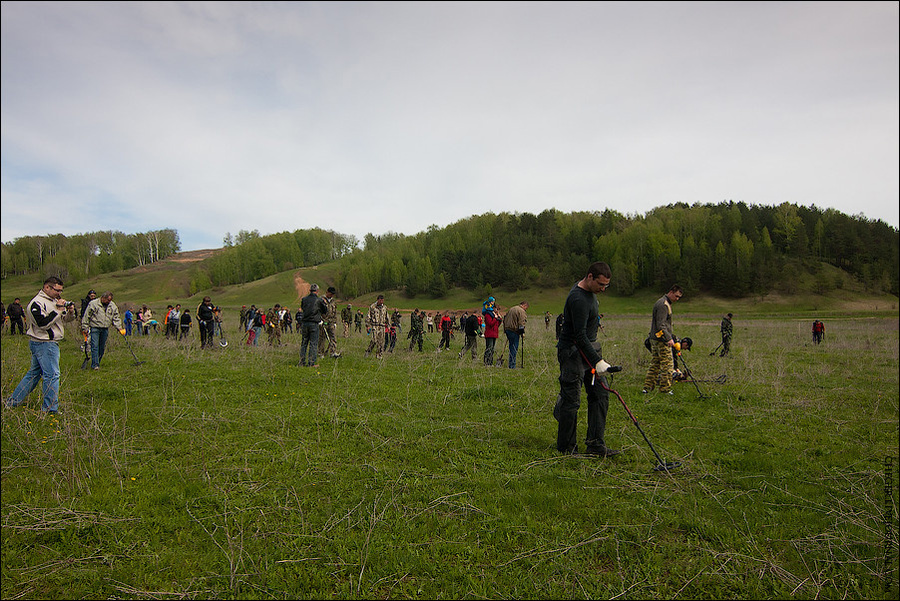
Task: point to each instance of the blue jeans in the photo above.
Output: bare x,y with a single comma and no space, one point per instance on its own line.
44,364
310,345
98,345
513,338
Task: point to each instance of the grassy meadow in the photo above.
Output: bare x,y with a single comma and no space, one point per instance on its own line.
233,473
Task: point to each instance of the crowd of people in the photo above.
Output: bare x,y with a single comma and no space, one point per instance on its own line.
579,353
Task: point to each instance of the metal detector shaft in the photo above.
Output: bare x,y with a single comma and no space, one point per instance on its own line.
128,344
690,375
633,419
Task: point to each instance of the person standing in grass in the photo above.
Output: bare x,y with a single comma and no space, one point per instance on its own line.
727,329
491,332
416,329
471,328
206,322
184,321
45,317
379,321
514,327
818,331
328,330
16,313
99,314
312,307
662,341
347,319
446,327
581,363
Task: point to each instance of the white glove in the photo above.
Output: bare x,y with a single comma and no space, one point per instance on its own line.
601,367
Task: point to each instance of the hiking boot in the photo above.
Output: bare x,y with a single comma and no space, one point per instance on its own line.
602,451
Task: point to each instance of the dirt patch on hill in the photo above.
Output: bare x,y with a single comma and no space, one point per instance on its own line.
301,285
193,255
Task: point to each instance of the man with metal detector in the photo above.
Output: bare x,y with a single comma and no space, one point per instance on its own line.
44,315
727,329
662,341
581,363
98,316
206,322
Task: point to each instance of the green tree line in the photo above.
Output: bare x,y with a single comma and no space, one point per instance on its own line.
249,256
81,256
730,249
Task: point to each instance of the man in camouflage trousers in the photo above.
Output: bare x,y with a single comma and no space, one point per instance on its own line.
327,340
416,329
727,329
347,319
273,325
377,321
662,340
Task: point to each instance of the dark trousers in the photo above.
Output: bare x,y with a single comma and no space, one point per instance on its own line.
489,344
206,333
573,373
16,322
309,348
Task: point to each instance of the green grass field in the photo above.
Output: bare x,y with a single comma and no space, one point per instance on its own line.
232,473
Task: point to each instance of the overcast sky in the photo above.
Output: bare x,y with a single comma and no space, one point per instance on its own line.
390,117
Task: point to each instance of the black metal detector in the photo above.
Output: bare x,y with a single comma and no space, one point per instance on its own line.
690,375
661,466
128,344
717,348
222,342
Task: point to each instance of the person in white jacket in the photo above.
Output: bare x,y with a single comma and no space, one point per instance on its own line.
45,315
98,316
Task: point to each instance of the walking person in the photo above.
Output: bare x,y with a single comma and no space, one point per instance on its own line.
206,322
98,316
662,341
818,331
45,316
581,364
514,328
312,307
445,324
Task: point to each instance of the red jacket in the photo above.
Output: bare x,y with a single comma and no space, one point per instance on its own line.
491,326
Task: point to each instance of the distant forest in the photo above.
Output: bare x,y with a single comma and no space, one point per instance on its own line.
74,258
729,249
